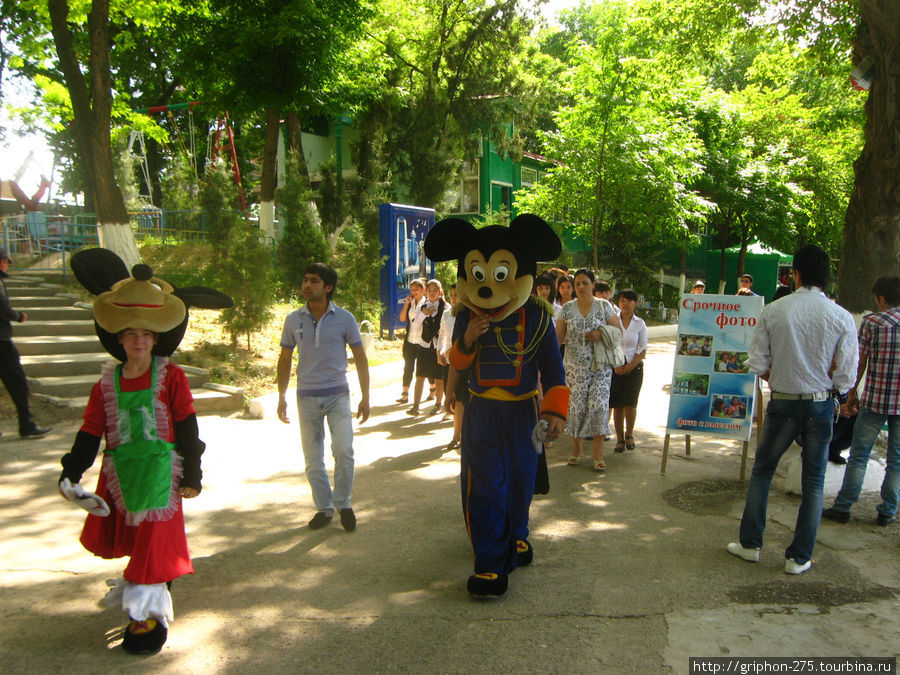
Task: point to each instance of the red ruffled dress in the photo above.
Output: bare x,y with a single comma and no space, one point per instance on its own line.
158,548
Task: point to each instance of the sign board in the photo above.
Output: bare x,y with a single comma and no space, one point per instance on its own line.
402,229
712,387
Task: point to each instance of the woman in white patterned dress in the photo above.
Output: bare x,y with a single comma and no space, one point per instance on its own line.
578,327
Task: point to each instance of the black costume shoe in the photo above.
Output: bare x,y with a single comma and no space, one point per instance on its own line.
487,585
348,519
34,432
884,520
320,520
144,637
524,553
836,516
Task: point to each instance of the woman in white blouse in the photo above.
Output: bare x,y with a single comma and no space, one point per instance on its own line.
627,380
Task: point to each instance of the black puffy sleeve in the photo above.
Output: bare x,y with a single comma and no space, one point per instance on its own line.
190,447
81,457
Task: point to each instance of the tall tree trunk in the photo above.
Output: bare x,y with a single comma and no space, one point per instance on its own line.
724,230
154,168
295,149
267,183
92,108
871,245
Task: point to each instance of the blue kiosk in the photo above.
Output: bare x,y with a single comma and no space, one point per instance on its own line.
403,229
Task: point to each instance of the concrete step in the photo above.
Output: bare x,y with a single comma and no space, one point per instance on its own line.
211,399
56,344
25,303
16,291
32,328
55,365
80,385
18,280
54,313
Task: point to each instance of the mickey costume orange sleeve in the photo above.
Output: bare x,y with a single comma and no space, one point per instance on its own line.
505,339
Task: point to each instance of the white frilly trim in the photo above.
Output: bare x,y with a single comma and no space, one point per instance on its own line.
140,601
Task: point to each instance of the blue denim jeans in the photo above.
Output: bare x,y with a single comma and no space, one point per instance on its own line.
868,426
785,420
313,410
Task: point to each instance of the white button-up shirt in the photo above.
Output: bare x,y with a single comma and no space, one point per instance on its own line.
796,340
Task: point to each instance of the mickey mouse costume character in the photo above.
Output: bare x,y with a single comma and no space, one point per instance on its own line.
144,408
504,337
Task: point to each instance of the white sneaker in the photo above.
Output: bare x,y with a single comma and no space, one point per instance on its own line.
792,567
748,554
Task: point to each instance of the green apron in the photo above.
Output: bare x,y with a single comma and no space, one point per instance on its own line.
142,462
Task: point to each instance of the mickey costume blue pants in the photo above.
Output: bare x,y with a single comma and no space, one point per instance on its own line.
497,470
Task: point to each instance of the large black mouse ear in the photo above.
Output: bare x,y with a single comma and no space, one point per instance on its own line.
449,239
203,297
542,240
97,269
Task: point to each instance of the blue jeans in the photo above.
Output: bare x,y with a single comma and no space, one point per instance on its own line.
785,420
868,426
312,411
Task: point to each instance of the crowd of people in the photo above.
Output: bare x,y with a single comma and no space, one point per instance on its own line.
805,346
581,304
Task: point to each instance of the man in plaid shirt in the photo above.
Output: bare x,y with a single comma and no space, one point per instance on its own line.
879,353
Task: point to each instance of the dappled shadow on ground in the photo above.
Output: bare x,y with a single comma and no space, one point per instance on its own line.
271,595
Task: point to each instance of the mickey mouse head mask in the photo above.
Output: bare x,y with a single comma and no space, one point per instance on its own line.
496,264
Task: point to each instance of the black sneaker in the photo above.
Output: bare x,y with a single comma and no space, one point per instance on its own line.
348,519
320,520
487,585
836,516
524,553
885,520
144,637
34,432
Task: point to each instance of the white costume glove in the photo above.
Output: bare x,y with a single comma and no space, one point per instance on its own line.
90,502
539,435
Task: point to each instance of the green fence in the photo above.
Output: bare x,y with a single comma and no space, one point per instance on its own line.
40,241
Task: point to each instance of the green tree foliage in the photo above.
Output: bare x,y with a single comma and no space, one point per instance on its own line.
446,70
303,241
245,272
626,153
358,261
217,197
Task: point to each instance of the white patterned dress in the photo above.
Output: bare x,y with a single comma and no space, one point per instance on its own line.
589,400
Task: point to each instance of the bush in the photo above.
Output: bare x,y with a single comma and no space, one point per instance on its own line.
217,195
245,273
358,262
303,241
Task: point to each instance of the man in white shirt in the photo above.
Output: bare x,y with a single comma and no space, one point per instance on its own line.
793,347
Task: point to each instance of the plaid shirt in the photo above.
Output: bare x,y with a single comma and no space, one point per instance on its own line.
879,343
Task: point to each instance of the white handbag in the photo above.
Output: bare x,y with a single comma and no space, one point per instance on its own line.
608,349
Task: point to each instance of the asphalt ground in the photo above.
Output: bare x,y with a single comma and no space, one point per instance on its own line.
630,571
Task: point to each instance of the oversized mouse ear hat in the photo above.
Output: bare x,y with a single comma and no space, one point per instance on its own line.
138,301
142,301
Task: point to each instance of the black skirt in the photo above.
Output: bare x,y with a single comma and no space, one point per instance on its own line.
625,389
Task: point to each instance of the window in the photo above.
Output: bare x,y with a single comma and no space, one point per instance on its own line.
468,197
529,176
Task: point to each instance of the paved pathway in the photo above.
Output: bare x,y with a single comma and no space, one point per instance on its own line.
630,571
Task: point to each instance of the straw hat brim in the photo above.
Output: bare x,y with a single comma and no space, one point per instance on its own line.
160,314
